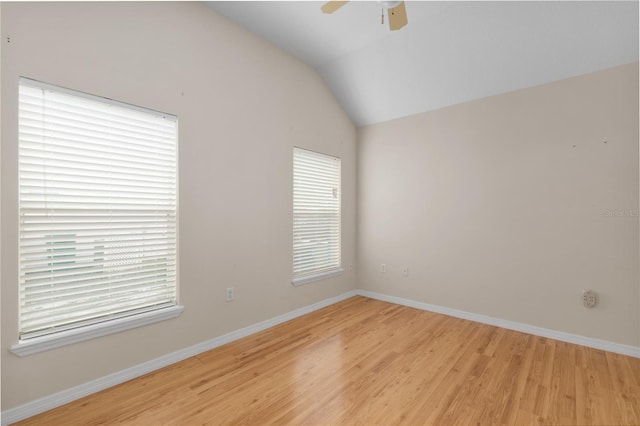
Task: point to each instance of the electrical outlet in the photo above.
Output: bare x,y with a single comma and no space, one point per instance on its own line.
405,271
383,268
230,295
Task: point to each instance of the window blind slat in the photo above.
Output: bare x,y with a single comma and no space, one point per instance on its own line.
98,204
73,292
65,142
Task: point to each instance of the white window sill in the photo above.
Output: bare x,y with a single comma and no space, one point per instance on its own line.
52,341
317,277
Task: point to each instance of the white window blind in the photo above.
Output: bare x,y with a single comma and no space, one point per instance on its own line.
98,204
316,213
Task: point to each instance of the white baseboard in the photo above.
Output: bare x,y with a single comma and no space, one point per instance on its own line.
60,398
604,345
57,399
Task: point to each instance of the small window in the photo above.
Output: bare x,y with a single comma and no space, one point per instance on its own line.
316,216
98,206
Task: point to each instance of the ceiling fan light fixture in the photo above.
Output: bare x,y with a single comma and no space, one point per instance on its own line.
395,10
389,4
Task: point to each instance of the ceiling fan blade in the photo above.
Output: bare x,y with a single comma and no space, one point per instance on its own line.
332,6
397,17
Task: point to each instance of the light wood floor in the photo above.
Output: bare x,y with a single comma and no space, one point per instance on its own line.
368,362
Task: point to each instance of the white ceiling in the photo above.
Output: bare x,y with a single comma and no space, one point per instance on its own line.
450,52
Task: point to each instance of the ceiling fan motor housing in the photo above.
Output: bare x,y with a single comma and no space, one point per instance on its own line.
389,4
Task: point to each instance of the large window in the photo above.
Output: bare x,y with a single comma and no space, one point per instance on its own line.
316,216
98,205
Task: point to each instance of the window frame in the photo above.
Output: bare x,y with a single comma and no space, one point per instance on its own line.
130,318
335,269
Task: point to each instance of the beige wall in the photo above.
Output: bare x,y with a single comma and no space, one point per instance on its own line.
508,206
242,105
505,206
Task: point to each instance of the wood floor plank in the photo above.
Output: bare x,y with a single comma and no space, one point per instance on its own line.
367,362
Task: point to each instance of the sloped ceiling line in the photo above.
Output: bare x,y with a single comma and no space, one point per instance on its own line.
450,52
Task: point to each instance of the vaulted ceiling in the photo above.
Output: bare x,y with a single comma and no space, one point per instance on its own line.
450,52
